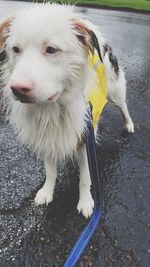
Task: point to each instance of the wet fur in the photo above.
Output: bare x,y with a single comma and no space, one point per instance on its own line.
54,130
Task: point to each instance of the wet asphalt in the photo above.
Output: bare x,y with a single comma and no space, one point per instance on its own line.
43,236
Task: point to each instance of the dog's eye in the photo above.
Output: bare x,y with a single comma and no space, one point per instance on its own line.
51,50
16,49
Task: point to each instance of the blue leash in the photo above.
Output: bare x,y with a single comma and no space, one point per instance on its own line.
87,233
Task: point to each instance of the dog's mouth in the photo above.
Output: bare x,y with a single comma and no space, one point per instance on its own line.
54,97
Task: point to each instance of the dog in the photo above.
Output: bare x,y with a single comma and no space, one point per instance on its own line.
46,76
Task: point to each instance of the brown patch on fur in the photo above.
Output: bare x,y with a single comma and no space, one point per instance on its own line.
81,27
84,35
4,26
87,38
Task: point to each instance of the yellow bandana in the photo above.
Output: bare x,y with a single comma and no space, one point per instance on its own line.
97,95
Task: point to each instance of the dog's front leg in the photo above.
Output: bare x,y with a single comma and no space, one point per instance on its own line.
86,203
45,194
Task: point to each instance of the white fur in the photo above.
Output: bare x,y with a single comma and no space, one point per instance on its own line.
53,128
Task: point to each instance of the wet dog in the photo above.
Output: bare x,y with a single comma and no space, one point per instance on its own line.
46,76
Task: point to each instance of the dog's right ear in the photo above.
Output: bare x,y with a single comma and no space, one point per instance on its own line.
4,29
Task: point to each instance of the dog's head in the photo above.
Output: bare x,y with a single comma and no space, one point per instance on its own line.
47,48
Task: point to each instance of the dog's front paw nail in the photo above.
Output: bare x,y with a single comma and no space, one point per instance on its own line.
86,207
130,127
43,197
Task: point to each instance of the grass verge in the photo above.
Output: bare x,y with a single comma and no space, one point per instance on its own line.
133,4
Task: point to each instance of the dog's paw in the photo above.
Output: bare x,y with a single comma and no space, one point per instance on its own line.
43,196
130,127
86,206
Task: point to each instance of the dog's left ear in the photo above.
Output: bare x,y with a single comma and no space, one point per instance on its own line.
87,38
4,28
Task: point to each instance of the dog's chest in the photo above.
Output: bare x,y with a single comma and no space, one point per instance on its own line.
50,130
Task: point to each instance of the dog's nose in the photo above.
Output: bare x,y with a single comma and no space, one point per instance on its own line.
17,93
21,88
22,92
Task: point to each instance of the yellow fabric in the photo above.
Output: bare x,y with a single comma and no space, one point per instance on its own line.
97,95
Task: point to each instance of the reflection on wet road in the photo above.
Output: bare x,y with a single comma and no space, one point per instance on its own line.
43,236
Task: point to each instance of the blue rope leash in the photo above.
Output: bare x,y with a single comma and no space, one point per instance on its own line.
87,233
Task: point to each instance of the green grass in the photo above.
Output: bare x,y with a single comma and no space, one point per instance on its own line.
136,4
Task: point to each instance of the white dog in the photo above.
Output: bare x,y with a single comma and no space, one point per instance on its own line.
46,76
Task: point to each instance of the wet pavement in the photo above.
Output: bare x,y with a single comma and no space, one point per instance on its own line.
43,236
